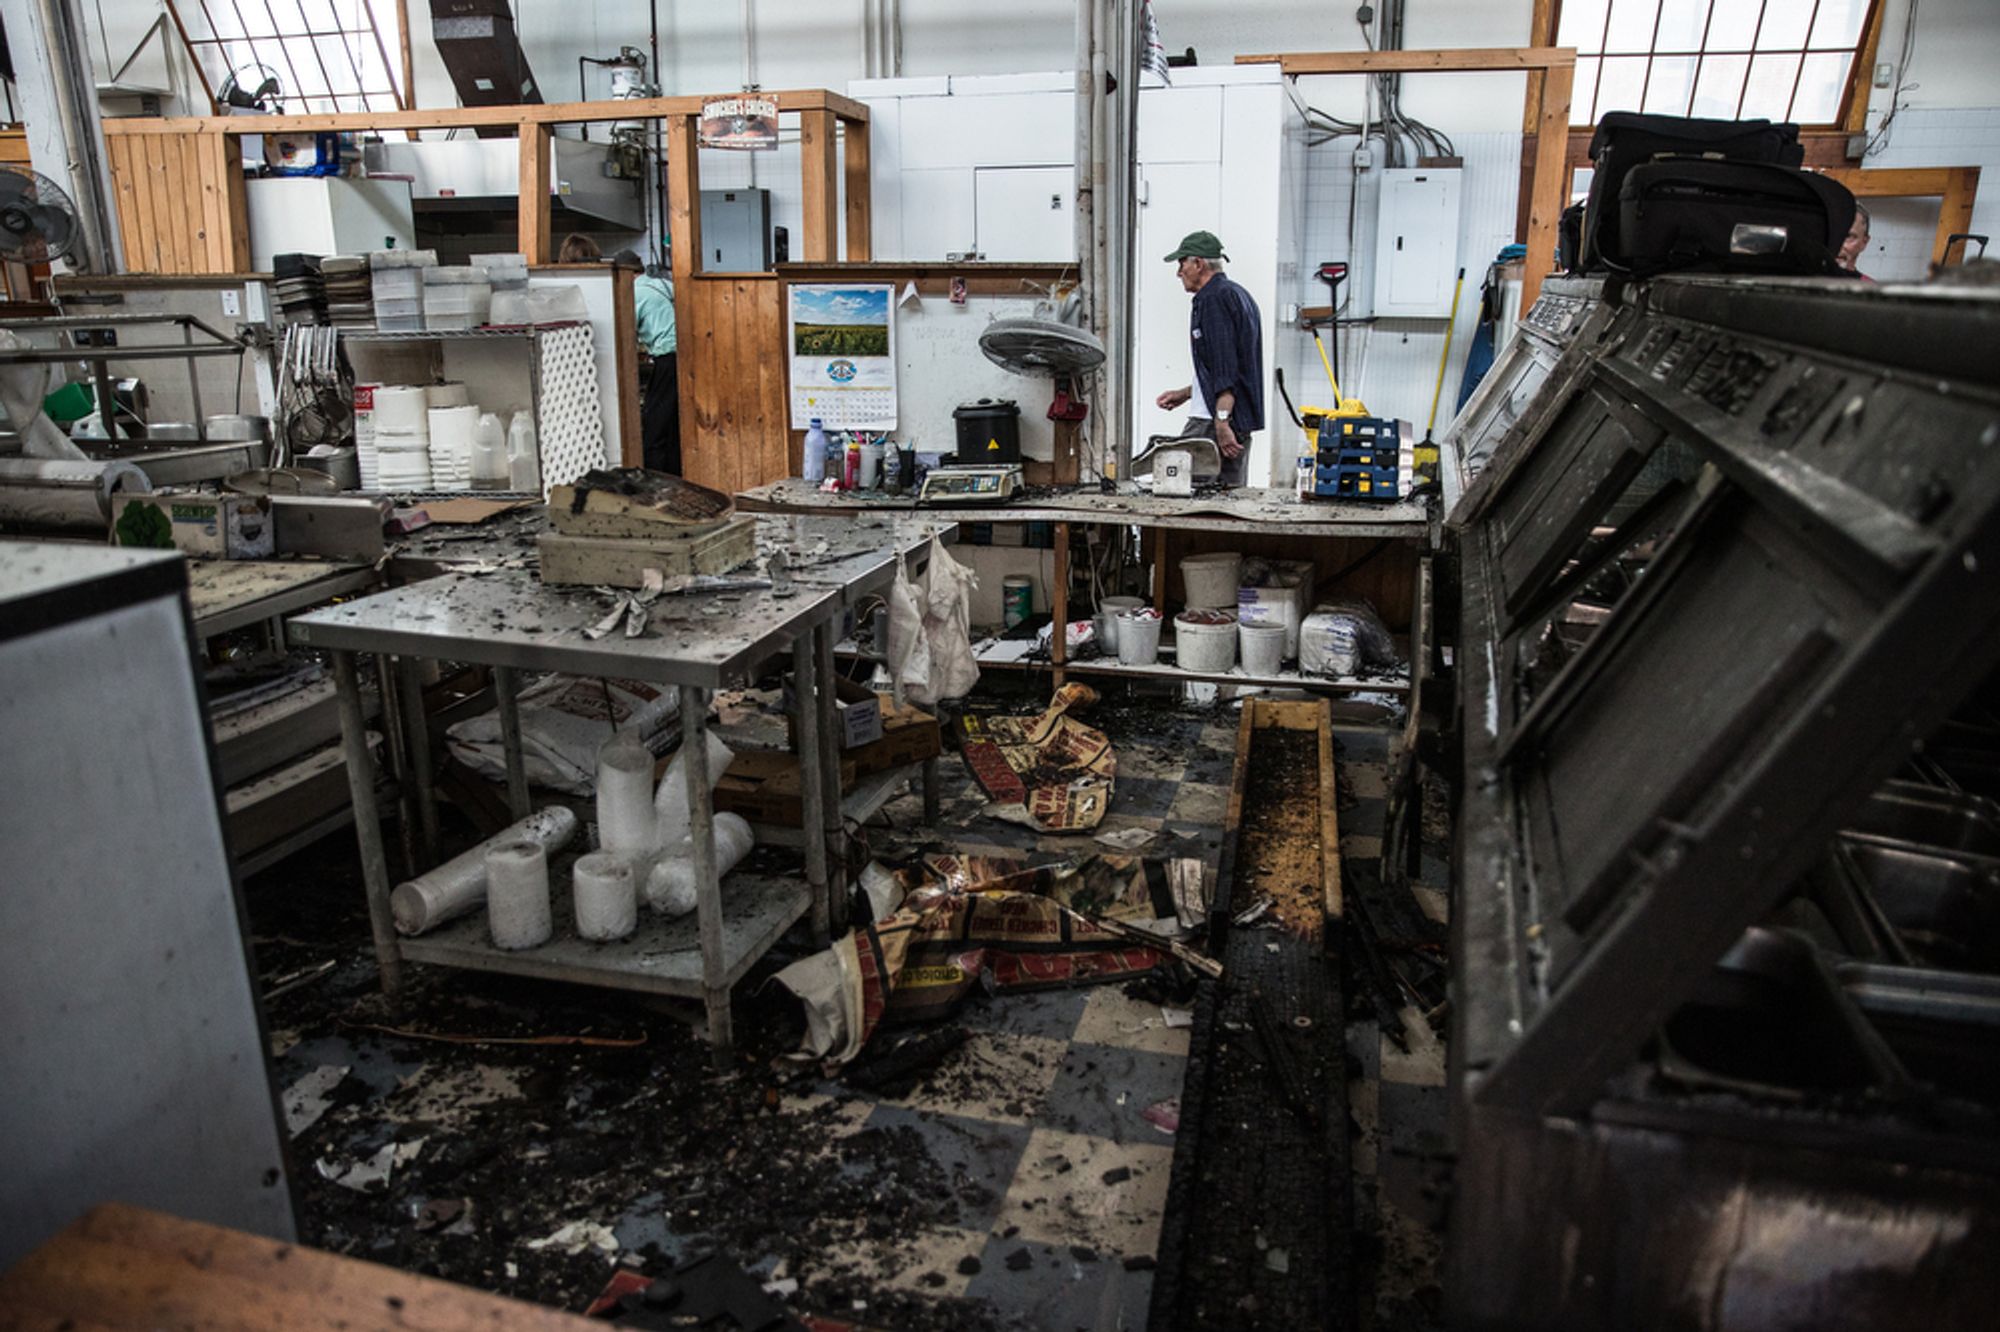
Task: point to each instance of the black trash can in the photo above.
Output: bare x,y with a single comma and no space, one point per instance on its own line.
989,431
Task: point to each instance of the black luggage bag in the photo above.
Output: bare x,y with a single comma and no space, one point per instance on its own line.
1625,140
1737,217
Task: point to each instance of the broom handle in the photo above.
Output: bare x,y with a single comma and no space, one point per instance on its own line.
1450,324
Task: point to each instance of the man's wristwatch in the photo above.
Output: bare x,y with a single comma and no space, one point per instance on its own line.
1222,415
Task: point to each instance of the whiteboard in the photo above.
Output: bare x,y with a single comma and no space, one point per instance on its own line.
939,367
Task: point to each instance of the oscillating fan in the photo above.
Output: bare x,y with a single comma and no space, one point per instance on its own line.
252,87
37,221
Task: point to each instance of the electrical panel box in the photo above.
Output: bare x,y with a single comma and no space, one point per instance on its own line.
1416,242
735,231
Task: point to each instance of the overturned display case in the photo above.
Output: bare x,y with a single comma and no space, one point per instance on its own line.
1726,1013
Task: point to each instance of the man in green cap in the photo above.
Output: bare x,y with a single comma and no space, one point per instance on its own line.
1227,338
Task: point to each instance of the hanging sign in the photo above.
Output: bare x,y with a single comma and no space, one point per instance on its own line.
747,124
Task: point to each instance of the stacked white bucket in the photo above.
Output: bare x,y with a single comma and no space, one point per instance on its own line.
399,439
452,418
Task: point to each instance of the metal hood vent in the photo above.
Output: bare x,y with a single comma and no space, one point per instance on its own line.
481,51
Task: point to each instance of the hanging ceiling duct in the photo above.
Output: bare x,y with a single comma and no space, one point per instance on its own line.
480,49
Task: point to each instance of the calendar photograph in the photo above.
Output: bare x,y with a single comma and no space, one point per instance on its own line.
843,346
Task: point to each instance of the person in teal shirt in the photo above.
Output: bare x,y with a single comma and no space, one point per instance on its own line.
660,417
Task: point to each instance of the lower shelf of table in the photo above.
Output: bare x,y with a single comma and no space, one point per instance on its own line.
660,957
857,806
1013,654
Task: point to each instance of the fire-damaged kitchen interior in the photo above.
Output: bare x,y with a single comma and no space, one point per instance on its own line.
1135,664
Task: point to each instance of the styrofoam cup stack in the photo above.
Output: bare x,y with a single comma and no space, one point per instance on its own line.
364,434
626,826
670,888
451,446
459,886
607,896
401,439
399,409
517,894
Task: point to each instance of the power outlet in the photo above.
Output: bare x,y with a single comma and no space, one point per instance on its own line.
1885,74
1364,158
232,304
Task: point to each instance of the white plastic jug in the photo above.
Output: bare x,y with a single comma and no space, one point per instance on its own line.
524,461
489,454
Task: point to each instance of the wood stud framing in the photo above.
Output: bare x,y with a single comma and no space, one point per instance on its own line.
1548,104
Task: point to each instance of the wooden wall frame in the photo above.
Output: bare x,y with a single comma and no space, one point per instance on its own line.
735,399
1954,187
170,228
1547,100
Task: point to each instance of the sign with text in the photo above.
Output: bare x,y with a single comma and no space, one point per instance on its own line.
745,124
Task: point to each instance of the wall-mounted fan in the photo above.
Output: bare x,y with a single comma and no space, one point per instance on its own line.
253,87
37,221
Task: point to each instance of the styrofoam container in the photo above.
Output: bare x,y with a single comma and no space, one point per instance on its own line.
1108,610
1205,641
451,393
1210,580
399,409
1261,647
1139,637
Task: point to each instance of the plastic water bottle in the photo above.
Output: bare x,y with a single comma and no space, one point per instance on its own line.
813,464
489,454
524,465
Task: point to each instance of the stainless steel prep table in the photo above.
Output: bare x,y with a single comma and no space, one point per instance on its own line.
509,621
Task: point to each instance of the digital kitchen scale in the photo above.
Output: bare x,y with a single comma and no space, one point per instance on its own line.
971,484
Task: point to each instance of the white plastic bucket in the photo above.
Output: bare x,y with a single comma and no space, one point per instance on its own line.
1211,579
1138,637
1108,611
1262,647
1205,641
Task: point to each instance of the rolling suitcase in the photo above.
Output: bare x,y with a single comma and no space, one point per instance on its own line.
1736,217
1625,140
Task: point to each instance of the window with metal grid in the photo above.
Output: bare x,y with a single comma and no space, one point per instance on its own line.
296,56
1729,59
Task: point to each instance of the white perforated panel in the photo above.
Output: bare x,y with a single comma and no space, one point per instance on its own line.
570,428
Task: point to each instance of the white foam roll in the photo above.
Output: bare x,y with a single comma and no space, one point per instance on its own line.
451,393
670,887
607,896
517,894
399,408
670,802
625,823
459,885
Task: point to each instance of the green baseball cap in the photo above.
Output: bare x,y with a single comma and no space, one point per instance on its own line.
1197,245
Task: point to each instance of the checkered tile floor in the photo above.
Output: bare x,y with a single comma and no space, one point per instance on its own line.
1043,1110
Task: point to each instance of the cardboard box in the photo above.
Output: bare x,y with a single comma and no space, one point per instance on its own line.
763,787
229,527
909,735
857,715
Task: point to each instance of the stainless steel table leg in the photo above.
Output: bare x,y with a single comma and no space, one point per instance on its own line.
931,792
708,887
507,688
399,763
416,728
367,820
829,769
805,690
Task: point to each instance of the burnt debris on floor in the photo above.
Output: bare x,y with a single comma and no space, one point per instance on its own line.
1007,1167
